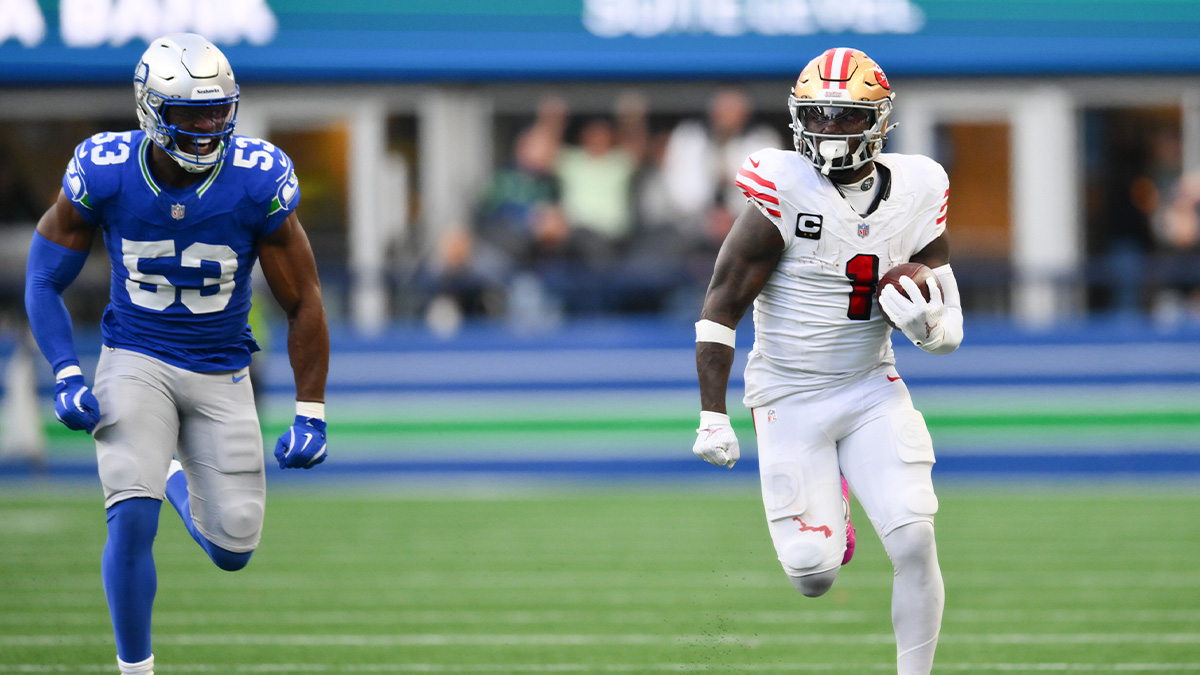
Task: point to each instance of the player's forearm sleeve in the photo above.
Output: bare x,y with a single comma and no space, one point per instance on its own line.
952,320
51,269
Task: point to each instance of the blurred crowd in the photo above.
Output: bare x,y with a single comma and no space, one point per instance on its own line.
599,214
624,212
1147,222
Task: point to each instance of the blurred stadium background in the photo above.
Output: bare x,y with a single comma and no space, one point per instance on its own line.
515,207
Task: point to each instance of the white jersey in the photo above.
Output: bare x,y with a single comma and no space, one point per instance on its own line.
816,321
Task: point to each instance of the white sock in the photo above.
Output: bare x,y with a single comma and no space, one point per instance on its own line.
140,668
917,596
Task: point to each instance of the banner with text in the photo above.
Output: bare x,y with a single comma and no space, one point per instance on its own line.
98,41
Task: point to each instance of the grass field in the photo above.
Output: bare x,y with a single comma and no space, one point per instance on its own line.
612,579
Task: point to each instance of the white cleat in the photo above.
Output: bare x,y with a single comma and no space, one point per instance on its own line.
175,468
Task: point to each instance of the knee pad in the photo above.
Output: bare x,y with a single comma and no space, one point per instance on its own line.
234,521
814,585
242,518
911,546
800,556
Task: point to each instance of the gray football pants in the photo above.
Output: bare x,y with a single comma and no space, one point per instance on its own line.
151,411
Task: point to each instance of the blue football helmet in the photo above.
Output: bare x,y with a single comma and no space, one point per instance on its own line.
187,99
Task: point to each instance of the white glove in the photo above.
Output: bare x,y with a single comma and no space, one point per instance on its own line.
919,320
715,440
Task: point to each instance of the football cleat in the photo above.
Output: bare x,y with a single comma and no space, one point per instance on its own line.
849,527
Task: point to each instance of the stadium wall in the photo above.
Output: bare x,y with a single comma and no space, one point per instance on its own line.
616,398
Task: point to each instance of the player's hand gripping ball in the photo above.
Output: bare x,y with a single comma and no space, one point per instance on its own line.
303,445
910,297
75,405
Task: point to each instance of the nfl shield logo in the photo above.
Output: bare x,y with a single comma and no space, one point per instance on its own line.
863,229
177,214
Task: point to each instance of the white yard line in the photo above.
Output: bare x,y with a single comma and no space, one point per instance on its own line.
590,615
558,639
616,668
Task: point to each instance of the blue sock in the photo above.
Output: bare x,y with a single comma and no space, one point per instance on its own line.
127,569
177,494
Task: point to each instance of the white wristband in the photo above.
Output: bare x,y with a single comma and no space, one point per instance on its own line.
68,372
310,409
711,331
709,419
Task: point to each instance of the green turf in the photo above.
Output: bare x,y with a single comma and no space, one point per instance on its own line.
612,580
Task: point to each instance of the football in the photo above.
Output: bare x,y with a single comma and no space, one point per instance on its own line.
919,273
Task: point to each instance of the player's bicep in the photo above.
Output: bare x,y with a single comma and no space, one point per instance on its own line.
746,260
288,264
935,254
62,224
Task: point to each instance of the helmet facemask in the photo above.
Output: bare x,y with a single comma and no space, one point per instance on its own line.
838,152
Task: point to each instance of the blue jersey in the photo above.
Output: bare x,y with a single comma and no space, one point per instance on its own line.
181,258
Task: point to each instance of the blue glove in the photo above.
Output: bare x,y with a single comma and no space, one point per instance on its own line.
303,445
75,405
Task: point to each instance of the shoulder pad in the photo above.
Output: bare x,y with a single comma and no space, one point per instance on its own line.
94,170
762,177
266,171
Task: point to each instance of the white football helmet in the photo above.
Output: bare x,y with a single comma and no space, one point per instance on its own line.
840,84
186,75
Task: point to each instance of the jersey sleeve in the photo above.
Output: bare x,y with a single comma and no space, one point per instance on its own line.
760,180
85,181
932,221
286,194
270,179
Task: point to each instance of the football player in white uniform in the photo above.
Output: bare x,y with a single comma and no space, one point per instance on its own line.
823,223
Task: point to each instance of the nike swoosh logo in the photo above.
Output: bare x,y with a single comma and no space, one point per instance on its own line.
753,162
892,379
238,379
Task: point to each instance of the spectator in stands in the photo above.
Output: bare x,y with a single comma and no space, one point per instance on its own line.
518,236
701,161
519,213
1177,231
596,176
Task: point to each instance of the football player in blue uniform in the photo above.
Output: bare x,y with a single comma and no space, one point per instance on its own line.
185,209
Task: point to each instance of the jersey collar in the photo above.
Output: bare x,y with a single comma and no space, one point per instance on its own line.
148,176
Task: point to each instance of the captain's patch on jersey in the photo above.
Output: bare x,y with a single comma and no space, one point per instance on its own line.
808,225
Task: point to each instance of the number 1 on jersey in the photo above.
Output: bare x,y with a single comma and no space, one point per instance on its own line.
863,272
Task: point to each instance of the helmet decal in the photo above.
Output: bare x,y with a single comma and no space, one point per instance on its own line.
881,79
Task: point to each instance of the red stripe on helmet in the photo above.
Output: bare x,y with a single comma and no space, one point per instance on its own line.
847,55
